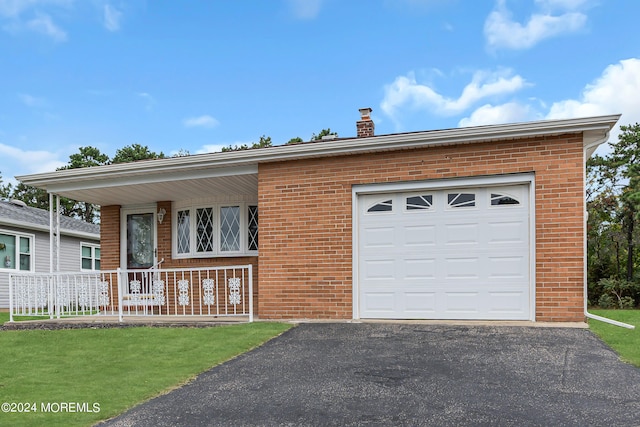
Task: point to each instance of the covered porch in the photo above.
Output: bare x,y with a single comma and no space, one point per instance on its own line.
179,237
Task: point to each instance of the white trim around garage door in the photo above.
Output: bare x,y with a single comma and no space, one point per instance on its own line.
482,181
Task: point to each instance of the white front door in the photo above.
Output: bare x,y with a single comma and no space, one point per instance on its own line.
458,253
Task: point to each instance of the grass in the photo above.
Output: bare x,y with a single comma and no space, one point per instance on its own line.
626,342
115,368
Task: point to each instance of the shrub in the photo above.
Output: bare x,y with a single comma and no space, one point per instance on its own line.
605,301
617,293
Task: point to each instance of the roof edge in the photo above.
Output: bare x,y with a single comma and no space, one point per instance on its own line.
40,227
328,148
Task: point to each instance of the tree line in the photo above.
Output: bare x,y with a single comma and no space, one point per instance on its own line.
613,208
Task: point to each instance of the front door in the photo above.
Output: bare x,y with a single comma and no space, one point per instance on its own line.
138,247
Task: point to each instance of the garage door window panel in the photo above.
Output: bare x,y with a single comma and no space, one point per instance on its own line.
461,200
384,206
419,203
500,199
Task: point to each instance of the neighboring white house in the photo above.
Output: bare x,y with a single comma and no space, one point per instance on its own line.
24,243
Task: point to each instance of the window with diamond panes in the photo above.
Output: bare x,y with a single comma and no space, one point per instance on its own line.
252,228
204,230
230,228
419,202
184,232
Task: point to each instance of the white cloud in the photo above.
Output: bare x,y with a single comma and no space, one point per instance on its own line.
32,101
405,93
149,100
616,91
44,24
503,32
14,8
112,18
23,162
18,16
305,9
511,112
551,5
28,15
205,121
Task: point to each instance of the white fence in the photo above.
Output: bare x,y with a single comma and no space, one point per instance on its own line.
208,291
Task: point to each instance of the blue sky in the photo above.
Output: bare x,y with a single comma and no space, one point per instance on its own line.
200,75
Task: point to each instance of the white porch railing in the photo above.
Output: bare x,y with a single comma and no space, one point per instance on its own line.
208,291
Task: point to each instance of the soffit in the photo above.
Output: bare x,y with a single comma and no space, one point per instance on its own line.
168,190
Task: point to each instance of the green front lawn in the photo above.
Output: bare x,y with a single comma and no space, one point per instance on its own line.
110,369
626,342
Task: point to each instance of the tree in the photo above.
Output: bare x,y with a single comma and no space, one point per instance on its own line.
86,157
625,161
265,141
323,132
613,202
5,189
295,140
135,152
39,198
182,153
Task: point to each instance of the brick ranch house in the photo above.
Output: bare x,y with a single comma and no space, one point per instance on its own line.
469,223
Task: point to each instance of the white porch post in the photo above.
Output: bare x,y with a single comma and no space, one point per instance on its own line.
54,233
250,273
119,285
54,253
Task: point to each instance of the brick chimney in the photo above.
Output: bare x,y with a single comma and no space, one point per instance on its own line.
365,125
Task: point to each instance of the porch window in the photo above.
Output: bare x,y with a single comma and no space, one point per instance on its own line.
204,230
230,228
184,232
90,259
253,228
15,251
216,230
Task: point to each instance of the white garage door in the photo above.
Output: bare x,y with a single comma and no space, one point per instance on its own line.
445,254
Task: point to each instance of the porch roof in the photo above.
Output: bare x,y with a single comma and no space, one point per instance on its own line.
236,172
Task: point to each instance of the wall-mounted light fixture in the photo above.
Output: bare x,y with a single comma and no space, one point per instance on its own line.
161,213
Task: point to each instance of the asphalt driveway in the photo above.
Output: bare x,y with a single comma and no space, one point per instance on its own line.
351,374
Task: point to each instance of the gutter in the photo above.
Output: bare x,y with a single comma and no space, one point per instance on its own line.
348,146
588,149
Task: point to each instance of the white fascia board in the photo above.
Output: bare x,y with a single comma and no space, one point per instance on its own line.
105,180
232,161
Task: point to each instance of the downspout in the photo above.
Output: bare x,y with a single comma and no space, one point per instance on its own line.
587,147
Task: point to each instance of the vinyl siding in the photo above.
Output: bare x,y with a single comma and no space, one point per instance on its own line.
70,259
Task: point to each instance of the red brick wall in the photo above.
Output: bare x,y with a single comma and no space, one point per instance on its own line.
305,220
109,237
